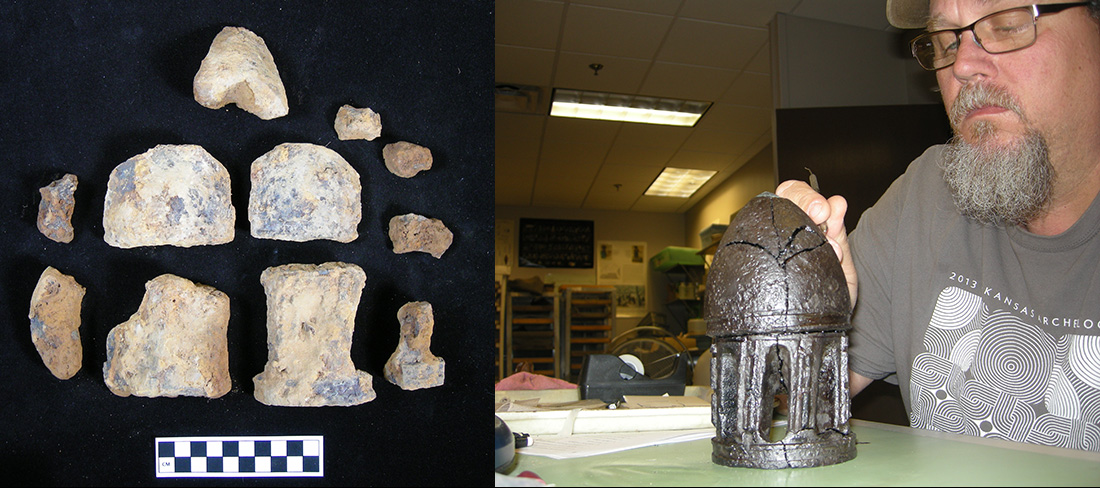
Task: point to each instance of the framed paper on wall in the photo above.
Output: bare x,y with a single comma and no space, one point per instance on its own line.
623,264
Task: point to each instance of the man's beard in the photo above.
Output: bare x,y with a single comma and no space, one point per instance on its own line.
995,183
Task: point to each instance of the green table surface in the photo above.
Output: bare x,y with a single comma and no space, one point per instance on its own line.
887,455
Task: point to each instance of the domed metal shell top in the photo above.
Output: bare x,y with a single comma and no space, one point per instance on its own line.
774,272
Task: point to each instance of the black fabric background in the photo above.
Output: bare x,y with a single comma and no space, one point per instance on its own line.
85,86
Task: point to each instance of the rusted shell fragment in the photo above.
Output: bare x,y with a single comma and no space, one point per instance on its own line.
406,159
310,320
240,69
174,345
303,192
55,212
412,365
172,194
412,232
357,123
55,322
774,272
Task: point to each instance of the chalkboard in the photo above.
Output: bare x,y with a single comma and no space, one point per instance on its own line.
552,243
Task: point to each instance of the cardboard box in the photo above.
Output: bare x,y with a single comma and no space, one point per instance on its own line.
671,256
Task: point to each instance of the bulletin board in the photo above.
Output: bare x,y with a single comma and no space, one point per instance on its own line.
556,243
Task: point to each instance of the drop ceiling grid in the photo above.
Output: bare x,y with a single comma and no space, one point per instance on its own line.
711,50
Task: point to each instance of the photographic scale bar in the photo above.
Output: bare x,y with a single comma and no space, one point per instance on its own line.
240,456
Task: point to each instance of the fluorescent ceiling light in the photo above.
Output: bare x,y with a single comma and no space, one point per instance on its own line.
678,182
626,108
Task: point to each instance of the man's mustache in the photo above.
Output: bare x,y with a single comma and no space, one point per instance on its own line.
973,97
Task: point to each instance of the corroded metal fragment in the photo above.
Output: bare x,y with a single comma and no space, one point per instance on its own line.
302,192
406,159
239,69
175,195
55,322
310,320
174,345
55,212
357,123
413,366
777,306
412,232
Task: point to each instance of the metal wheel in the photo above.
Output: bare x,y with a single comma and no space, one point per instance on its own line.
646,331
658,357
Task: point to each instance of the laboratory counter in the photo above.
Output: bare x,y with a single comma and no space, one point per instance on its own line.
888,455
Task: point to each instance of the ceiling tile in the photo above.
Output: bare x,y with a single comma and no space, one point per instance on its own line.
563,184
627,173
518,135
586,131
687,82
519,168
752,13
633,155
666,7
569,196
575,172
617,201
711,44
597,30
631,183
650,135
511,195
524,66
700,160
861,13
752,89
618,75
761,61
657,204
528,23
566,151
736,118
719,141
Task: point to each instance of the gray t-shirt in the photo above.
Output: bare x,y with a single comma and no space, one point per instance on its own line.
992,331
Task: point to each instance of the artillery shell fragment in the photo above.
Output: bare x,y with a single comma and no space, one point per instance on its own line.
55,322
55,212
240,69
170,195
357,123
412,232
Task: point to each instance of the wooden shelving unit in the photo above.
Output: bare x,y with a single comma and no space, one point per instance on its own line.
588,315
532,333
501,338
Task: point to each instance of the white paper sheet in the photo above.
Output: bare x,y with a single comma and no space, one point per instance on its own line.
582,445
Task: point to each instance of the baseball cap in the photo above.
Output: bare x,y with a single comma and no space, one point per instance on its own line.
907,14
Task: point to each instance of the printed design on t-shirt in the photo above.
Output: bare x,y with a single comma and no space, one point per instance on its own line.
990,373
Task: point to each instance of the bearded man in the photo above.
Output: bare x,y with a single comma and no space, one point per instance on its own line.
975,279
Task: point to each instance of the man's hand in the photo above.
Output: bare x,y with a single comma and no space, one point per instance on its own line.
829,215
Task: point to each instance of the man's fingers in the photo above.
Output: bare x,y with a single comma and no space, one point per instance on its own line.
838,207
810,201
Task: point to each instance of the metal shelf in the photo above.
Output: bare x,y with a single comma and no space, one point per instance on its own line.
532,333
588,314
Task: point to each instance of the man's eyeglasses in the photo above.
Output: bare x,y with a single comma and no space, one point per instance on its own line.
998,32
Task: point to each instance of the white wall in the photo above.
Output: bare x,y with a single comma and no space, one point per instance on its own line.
755,176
